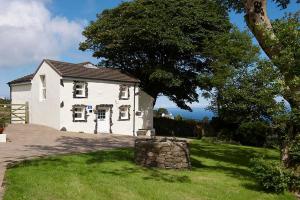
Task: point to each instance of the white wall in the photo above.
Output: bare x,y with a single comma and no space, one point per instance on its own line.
21,93
145,121
99,92
45,112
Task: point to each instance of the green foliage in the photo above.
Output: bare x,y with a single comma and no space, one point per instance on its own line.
177,128
162,43
178,118
245,102
160,111
3,122
4,101
294,151
239,5
227,54
294,184
253,133
270,175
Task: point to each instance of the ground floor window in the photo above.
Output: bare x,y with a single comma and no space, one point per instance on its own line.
79,113
124,112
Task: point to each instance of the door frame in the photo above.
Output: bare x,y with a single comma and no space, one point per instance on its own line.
100,107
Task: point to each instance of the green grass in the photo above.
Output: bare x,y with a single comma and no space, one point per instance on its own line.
220,171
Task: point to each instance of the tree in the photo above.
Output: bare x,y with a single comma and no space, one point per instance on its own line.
160,42
246,103
279,51
178,118
162,111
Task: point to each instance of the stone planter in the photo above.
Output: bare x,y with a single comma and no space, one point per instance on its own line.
162,153
2,138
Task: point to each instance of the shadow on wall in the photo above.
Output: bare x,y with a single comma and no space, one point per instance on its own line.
146,106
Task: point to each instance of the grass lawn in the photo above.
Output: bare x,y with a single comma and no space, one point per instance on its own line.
220,171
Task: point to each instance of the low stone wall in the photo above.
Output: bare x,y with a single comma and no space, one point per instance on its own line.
162,153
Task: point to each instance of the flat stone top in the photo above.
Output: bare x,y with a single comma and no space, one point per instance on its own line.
161,139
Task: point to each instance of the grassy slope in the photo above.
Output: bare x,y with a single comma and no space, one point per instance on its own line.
220,172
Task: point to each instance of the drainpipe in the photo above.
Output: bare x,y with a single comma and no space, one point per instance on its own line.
10,95
134,109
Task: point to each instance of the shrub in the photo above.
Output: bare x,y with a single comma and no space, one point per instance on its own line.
295,152
252,133
2,123
294,184
270,175
178,128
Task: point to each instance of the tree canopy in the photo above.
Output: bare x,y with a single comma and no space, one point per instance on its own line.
160,42
239,5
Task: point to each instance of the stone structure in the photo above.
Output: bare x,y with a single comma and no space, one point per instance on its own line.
162,153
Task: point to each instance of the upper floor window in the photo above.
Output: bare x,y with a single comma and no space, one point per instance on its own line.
80,90
124,92
43,88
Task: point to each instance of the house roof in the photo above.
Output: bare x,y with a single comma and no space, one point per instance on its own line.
24,79
71,70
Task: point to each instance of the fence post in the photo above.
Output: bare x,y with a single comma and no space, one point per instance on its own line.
26,113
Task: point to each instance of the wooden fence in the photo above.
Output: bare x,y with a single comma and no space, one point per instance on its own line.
14,113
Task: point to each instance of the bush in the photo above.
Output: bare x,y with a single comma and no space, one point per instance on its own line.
254,133
295,152
270,175
2,123
178,128
294,184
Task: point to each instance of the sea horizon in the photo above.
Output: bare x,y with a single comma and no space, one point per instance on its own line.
197,113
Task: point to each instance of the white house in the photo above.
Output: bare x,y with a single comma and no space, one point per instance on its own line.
84,98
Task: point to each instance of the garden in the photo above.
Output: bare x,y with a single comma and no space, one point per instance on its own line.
219,171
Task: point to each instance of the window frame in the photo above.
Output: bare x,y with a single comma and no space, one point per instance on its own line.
127,112
43,88
124,88
99,115
84,89
83,112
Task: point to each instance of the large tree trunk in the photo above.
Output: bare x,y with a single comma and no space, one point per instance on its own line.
259,23
261,27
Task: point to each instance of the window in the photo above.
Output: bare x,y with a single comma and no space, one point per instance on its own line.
79,113
124,113
124,92
102,114
43,92
80,90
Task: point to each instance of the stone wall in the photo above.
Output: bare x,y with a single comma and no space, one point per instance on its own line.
162,153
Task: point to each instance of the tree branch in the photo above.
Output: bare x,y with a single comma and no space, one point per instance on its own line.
259,23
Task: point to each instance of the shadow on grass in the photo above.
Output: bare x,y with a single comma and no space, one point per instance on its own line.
125,154
228,159
39,162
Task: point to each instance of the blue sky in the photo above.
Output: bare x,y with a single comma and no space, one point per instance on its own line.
52,29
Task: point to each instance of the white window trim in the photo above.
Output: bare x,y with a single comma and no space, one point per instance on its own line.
80,89
124,92
124,110
43,88
83,113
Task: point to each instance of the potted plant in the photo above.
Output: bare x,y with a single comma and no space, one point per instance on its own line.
2,125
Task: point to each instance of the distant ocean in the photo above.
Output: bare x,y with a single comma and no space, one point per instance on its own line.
197,114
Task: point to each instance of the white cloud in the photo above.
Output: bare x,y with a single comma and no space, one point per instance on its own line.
29,33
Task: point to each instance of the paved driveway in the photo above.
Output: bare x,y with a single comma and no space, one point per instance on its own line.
31,141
